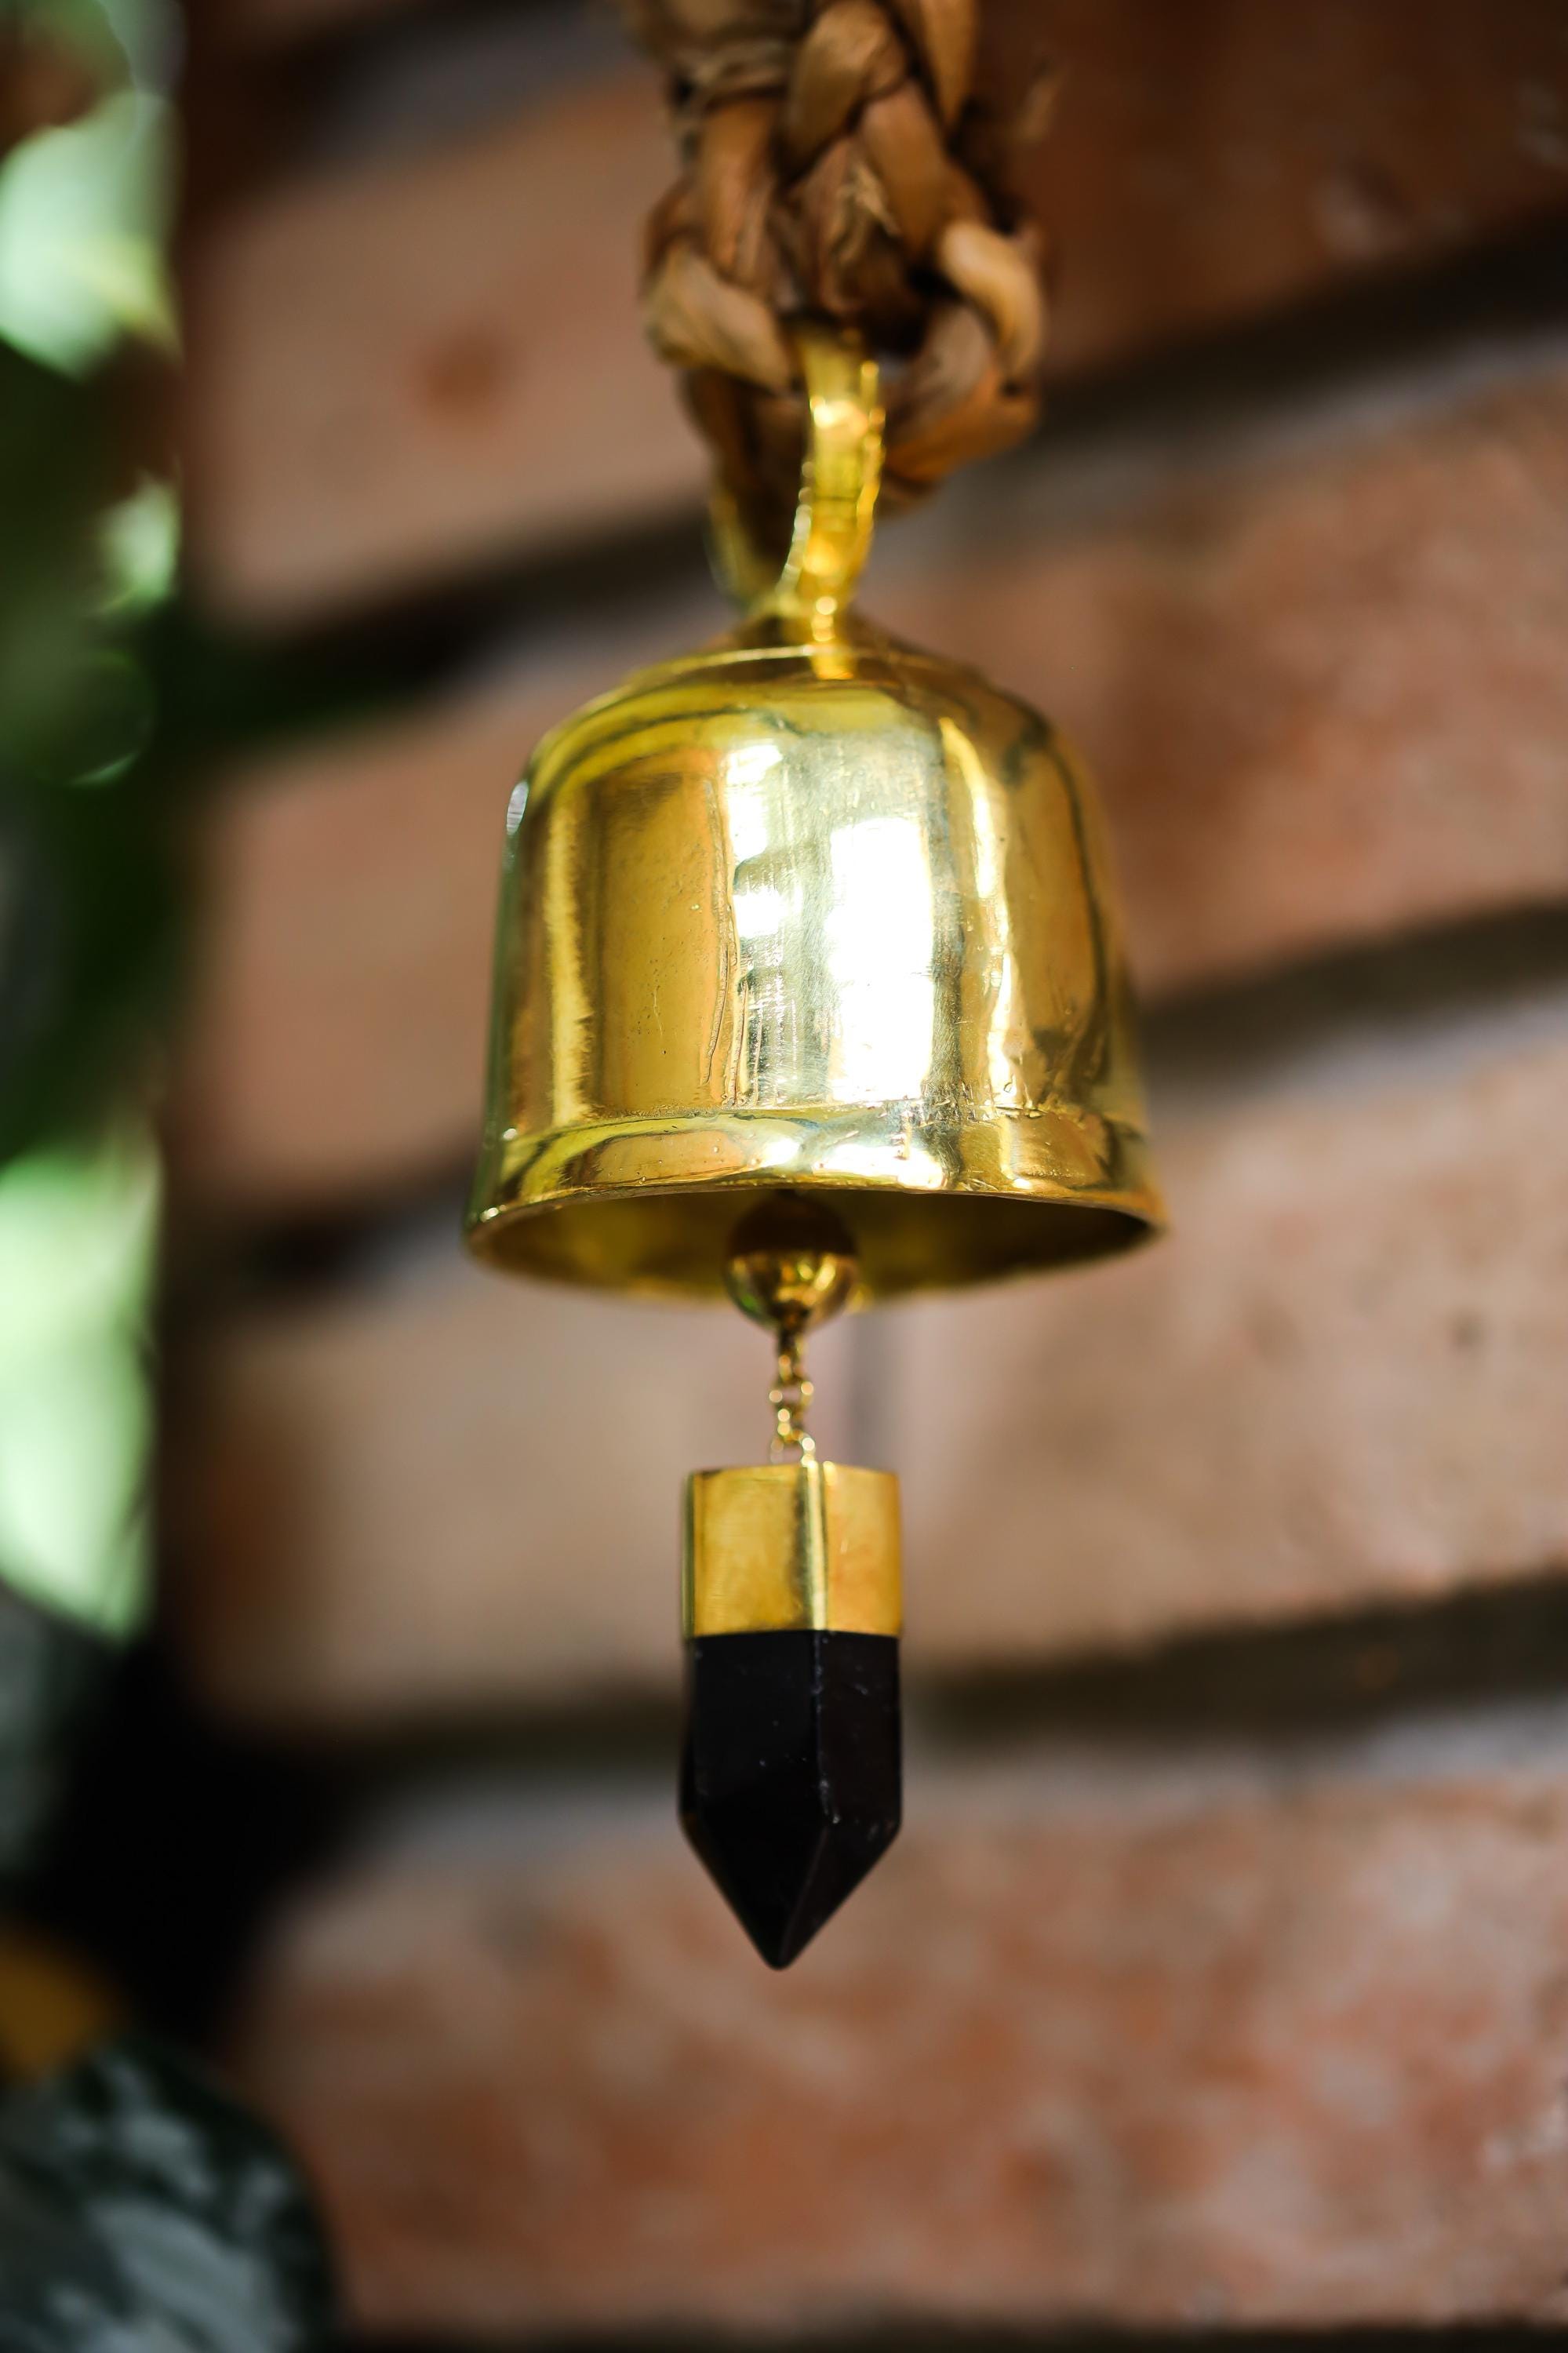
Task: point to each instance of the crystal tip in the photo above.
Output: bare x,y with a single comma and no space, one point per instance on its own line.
791,1774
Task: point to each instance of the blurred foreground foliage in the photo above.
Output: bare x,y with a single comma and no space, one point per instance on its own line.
89,894
88,900
87,897
113,702
140,2207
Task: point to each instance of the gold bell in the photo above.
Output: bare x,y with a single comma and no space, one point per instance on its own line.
808,985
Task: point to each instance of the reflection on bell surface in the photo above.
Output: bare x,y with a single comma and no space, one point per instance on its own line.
809,909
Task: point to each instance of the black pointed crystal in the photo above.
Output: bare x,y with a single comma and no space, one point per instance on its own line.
791,1774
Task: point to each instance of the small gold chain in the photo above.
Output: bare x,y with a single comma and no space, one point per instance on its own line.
791,1397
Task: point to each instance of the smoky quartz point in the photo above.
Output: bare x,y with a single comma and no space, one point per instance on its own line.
790,1775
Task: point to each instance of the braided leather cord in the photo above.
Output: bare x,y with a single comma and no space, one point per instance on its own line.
841,160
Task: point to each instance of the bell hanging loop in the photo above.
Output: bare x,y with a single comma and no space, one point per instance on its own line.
841,474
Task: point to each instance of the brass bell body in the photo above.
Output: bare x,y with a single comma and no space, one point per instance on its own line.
809,909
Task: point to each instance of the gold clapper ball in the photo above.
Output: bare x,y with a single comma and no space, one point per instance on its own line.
791,1264
809,987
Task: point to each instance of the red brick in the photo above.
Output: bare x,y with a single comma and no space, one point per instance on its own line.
1337,1383
1323,684
1322,678
456,1492
414,367
404,369
1085,2050
337,1037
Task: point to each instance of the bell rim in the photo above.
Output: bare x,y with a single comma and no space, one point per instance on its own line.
1122,1192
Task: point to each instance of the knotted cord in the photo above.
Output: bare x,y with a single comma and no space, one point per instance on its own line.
840,159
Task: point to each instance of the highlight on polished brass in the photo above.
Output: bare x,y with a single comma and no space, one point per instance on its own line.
781,1547
789,1263
809,909
808,989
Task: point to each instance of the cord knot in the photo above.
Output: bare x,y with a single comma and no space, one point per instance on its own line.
841,159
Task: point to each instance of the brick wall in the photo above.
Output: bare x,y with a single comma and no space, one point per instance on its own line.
1218,1980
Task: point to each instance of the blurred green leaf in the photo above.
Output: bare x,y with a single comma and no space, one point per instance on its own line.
88,891
140,543
78,1230
83,219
